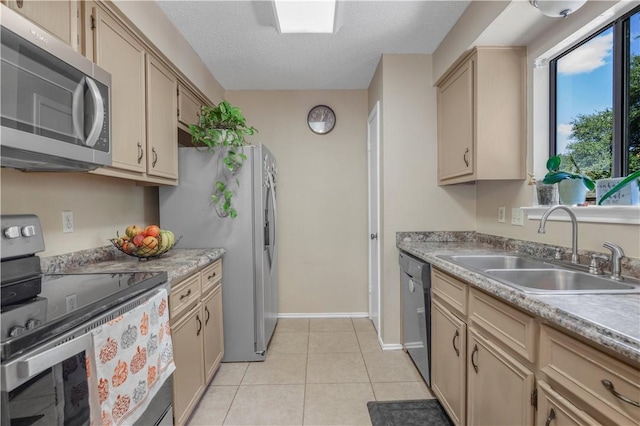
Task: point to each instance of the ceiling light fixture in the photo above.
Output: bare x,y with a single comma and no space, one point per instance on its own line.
557,8
305,16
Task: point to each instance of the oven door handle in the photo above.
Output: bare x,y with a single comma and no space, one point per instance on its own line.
47,359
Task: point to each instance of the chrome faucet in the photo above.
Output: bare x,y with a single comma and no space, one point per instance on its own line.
574,228
616,259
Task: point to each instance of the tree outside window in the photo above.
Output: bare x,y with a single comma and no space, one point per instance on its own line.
595,99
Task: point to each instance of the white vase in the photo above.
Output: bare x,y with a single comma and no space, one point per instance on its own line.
572,192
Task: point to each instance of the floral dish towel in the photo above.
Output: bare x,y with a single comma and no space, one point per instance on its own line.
132,357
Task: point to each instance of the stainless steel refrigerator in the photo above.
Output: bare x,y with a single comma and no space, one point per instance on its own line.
250,264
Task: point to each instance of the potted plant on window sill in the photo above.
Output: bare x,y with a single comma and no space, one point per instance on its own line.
223,127
572,187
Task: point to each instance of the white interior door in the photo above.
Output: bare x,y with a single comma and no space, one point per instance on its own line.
373,138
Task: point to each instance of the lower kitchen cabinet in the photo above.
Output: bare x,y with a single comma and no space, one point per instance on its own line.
197,330
188,348
499,387
448,360
495,364
554,410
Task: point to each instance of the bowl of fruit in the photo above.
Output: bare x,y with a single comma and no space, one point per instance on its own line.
144,243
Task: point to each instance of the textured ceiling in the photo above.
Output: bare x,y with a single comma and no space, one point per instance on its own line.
238,42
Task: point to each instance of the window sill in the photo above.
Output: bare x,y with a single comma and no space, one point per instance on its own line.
627,215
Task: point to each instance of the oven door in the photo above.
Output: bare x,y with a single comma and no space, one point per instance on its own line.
47,386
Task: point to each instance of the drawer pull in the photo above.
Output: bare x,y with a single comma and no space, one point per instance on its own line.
185,295
199,325
607,384
473,362
453,342
211,276
551,417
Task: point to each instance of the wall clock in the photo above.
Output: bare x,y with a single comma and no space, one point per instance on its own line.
321,119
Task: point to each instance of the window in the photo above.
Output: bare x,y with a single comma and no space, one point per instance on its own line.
595,101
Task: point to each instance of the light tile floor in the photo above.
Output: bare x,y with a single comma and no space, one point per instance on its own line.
317,372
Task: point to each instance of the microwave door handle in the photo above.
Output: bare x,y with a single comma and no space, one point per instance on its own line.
98,107
47,359
77,109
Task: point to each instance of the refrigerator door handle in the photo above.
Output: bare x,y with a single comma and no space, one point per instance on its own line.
275,217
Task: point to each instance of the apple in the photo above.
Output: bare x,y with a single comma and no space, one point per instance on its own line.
133,231
152,231
138,239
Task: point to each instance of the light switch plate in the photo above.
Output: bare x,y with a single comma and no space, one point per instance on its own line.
501,214
517,216
67,222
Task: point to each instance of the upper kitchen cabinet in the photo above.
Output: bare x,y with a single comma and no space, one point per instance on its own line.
188,107
162,122
481,116
143,101
57,17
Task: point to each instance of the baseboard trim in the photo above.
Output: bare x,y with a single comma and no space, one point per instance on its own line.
325,315
391,347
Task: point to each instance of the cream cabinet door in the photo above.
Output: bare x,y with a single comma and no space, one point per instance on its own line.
118,52
162,121
213,333
188,382
57,17
554,410
188,107
499,387
448,351
455,124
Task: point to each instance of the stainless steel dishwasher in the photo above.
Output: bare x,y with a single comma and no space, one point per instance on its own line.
415,280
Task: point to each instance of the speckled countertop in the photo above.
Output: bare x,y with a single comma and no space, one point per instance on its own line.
610,320
178,263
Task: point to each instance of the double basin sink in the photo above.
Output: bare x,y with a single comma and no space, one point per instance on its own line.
533,275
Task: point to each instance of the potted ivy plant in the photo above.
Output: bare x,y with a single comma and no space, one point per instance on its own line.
223,127
572,187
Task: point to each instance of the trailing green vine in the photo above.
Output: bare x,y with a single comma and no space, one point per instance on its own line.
223,126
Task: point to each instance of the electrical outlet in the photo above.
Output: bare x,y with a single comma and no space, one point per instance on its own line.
67,222
516,216
501,214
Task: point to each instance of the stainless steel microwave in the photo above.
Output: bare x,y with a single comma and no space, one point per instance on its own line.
55,103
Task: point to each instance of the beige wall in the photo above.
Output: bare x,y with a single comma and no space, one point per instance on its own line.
100,205
411,199
322,196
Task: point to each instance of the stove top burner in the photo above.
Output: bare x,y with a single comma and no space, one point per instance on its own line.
64,301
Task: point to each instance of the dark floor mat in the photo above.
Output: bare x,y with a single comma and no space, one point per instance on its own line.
422,412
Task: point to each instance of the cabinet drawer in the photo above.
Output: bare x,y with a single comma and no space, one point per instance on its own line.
554,410
510,326
581,370
211,275
184,294
450,290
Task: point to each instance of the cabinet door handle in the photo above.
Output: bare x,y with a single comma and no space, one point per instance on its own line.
155,157
473,362
199,325
187,294
551,417
607,384
140,153
464,157
20,3
453,342
206,320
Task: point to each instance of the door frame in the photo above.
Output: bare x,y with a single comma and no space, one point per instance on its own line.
374,163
